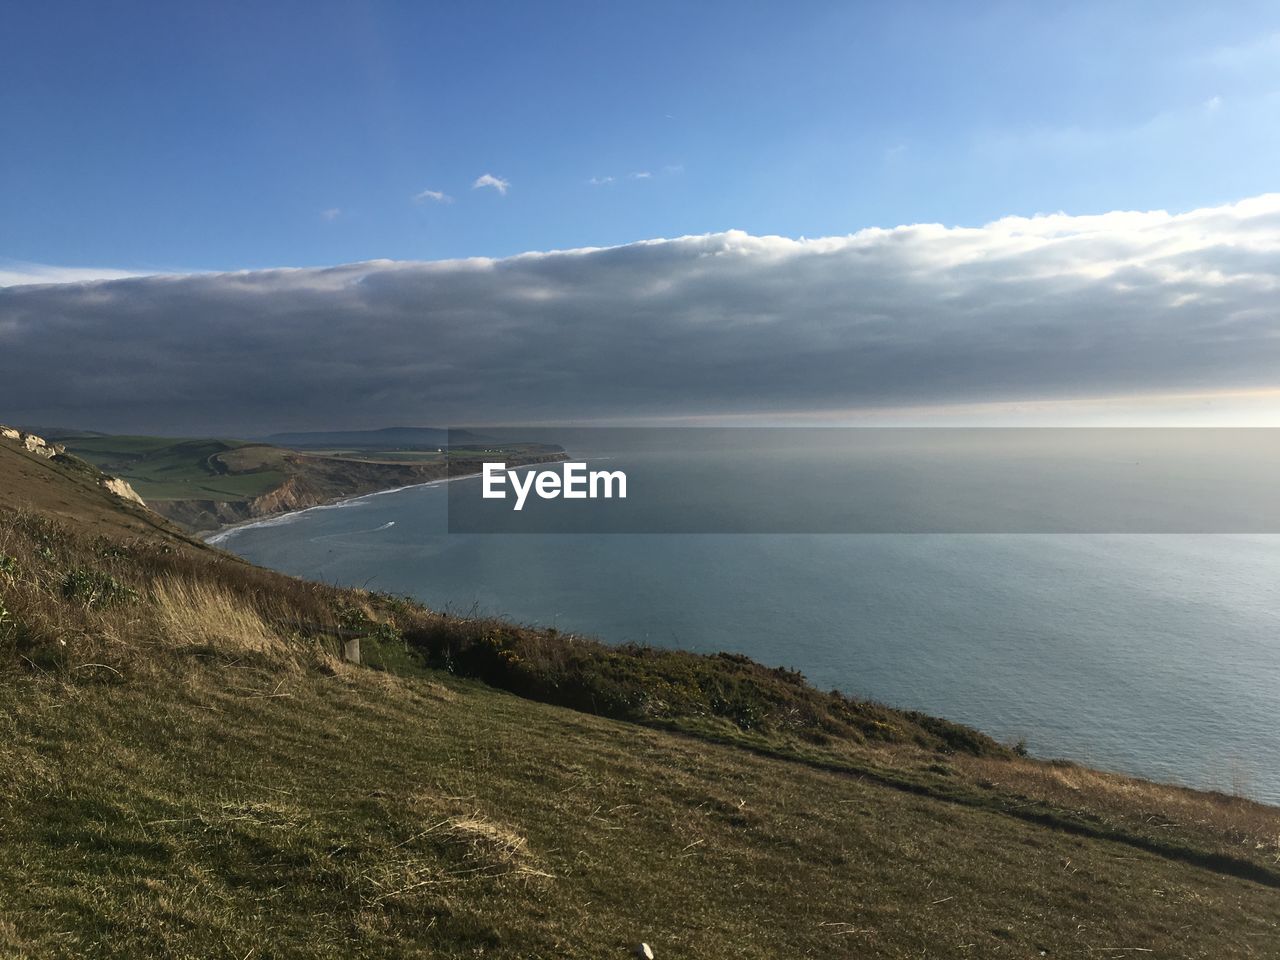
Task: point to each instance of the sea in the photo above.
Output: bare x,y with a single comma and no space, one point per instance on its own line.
1149,648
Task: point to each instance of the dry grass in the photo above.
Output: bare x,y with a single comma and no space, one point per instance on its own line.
190,613
79,606
478,837
1226,823
451,850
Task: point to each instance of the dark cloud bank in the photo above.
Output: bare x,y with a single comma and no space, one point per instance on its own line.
1043,307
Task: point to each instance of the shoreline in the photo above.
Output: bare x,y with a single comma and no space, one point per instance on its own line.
215,537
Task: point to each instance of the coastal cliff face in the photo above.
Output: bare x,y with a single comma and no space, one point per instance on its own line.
122,489
298,492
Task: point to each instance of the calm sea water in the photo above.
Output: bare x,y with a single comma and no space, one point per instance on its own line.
1156,655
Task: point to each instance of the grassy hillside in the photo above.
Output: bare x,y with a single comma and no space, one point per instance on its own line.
191,771
70,489
162,468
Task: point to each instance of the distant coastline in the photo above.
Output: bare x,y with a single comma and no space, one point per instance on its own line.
215,537
211,486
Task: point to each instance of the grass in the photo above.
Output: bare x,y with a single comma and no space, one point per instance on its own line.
358,815
378,456
163,468
191,771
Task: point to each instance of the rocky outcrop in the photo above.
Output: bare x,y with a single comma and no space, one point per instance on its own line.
43,448
122,489
33,444
296,494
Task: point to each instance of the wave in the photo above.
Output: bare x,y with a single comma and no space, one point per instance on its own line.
221,536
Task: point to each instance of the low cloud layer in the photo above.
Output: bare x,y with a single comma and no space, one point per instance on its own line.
1053,306
14,272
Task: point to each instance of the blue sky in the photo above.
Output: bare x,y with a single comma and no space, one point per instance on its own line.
224,136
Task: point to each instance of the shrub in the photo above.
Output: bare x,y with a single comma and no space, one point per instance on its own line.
670,687
94,588
353,617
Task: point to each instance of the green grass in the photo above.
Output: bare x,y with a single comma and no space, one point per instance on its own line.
117,448
228,488
246,813
377,456
164,468
124,449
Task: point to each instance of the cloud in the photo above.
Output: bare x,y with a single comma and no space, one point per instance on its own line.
670,169
489,180
1057,306
14,272
333,213
436,196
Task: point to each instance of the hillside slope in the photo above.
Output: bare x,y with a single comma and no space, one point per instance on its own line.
192,771
70,489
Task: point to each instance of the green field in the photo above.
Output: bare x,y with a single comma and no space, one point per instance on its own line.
383,456
165,468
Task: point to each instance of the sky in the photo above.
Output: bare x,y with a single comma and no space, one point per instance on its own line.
166,137
193,140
